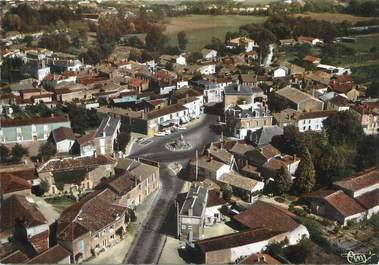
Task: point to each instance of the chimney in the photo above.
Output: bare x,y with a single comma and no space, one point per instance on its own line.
190,212
94,154
220,194
294,157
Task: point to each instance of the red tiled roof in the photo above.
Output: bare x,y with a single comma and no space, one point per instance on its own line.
17,207
266,215
12,183
40,242
63,133
53,255
342,87
311,59
15,258
259,258
90,214
361,180
29,121
369,200
215,198
86,138
164,111
344,204
235,240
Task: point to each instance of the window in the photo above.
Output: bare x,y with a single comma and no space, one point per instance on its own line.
81,246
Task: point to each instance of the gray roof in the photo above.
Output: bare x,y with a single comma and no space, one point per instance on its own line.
196,200
235,89
265,134
108,125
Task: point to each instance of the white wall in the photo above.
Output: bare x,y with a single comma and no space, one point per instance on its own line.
64,146
297,234
247,250
222,170
311,124
279,72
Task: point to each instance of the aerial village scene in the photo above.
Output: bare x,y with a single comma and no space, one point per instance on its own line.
189,132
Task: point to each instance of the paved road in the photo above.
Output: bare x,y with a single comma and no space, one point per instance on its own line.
149,241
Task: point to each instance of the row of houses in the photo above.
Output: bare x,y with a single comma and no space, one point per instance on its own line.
95,223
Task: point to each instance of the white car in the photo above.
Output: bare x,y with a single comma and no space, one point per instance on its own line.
164,133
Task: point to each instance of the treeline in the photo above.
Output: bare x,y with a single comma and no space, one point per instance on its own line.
339,151
24,18
369,8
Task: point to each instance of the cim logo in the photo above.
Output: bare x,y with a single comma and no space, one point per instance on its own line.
359,258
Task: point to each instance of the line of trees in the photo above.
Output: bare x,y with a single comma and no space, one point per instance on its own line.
337,152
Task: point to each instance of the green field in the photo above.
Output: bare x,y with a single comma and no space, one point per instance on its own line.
201,28
365,42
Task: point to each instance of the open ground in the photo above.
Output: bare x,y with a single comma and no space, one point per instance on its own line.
201,28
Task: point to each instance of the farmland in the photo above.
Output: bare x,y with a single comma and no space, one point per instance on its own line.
334,17
364,42
201,28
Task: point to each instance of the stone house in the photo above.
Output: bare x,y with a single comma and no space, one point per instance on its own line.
191,217
32,129
27,224
91,225
300,100
138,179
63,138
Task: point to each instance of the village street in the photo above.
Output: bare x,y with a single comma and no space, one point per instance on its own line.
150,238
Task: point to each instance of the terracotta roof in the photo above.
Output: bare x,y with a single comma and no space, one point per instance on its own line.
369,200
220,154
266,215
360,181
269,151
30,121
311,59
342,87
259,258
86,138
91,214
17,207
27,173
235,240
15,258
77,162
344,204
215,198
63,133
315,114
53,255
165,111
123,184
241,148
40,241
12,183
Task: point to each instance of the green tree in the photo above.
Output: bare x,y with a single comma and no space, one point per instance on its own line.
155,40
122,140
305,174
46,151
332,164
44,186
4,154
227,192
18,152
343,128
182,40
283,181
373,90
367,152
298,253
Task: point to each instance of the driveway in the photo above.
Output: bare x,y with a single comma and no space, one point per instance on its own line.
160,222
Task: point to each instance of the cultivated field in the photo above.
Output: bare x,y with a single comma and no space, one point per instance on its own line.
334,17
364,42
201,28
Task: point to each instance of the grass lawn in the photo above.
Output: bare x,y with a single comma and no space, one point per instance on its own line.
61,203
334,17
364,42
201,28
